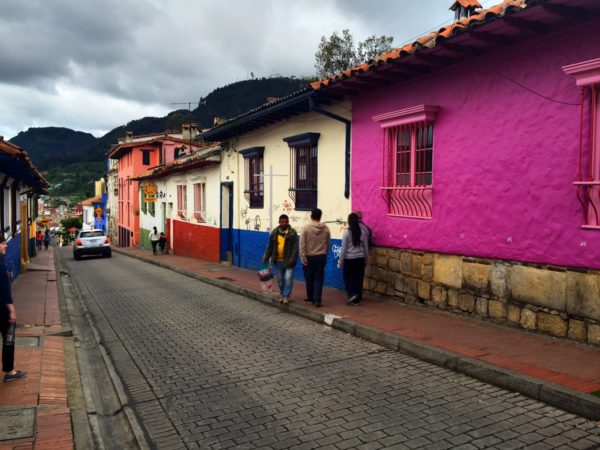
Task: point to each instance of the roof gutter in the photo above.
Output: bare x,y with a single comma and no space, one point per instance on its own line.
313,107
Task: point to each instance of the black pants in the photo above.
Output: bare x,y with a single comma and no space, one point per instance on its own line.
8,351
314,274
354,272
154,243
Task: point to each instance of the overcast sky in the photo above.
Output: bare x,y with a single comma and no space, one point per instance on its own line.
92,65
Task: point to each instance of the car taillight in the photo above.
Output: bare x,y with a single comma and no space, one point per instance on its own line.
106,240
78,242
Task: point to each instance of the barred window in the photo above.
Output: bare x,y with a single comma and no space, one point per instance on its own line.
407,184
254,176
304,170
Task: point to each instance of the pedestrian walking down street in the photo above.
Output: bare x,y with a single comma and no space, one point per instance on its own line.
8,321
282,252
354,256
46,239
154,238
39,240
162,242
314,245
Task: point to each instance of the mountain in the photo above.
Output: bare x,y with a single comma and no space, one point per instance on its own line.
72,160
52,146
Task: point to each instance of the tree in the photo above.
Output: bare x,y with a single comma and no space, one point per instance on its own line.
339,53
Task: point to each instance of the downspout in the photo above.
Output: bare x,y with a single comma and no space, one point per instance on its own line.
313,107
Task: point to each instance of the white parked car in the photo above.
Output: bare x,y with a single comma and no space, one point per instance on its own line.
91,242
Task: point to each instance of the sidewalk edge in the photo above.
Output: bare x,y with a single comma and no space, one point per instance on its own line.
552,394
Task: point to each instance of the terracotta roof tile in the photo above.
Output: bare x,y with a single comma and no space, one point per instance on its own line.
429,40
466,4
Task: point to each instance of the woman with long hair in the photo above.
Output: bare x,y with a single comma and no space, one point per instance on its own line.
354,257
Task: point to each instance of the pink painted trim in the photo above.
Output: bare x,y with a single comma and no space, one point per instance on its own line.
586,73
407,115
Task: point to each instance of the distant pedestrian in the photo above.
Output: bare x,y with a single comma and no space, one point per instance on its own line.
162,242
154,238
39,240
314,245
8,321
46,239
353,258
282,252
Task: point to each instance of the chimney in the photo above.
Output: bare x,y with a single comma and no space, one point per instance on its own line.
185,131
464,8
128,136
193,131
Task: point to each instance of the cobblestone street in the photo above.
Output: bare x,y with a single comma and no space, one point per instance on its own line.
205,368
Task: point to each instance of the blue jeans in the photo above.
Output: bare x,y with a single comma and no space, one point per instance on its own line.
285,278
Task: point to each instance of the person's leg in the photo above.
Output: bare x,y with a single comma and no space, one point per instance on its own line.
279,272
8,349
288,284
360,277
347,274
153,243
308,279
353,272
319,277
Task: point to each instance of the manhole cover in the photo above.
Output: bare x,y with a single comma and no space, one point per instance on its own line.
17,423
27,341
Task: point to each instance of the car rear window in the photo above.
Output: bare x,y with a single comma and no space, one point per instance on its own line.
91,234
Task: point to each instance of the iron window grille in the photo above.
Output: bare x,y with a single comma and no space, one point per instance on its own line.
407,179
254,176
303,170
200,202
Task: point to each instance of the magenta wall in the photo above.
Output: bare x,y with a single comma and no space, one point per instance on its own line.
504,158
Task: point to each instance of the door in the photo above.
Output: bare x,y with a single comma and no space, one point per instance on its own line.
227,222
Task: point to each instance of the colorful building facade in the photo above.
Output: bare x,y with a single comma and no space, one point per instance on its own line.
135,155
287,167
475,161
20,186
181,198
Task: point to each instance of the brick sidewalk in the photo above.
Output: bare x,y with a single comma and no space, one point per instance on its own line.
42,355
571,365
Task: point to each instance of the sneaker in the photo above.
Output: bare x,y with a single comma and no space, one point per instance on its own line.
15,376
284,300
352,299
308,300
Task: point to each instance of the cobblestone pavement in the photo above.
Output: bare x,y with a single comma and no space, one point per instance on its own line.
205,368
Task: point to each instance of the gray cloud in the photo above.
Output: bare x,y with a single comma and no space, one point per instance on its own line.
71,59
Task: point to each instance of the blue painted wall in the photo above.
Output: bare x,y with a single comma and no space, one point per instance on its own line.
13,256
249,247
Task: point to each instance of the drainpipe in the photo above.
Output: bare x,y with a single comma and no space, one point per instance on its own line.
313,107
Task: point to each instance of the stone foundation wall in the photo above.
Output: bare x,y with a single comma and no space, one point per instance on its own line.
559,301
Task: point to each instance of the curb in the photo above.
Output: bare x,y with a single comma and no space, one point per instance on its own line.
584,405
136,429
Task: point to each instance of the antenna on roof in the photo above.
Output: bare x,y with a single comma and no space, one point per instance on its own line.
184,103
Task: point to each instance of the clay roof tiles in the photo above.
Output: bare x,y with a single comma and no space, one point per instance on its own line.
430,40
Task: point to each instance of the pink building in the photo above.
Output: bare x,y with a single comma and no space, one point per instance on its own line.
137,154
476,161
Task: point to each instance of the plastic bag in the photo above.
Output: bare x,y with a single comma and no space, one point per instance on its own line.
265,275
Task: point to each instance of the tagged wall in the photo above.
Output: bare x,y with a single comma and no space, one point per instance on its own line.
249,248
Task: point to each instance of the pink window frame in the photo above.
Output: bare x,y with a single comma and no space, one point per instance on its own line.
181,200
414,200
587,76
